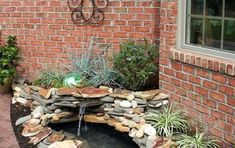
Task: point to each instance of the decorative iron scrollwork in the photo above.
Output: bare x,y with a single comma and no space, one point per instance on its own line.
94,18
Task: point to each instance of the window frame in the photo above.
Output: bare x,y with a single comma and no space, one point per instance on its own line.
181,37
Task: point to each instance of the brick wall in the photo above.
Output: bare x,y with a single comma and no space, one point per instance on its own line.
46,33
204,87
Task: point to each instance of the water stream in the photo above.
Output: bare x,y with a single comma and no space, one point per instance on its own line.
82,111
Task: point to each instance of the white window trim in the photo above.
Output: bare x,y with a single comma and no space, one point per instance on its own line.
181,35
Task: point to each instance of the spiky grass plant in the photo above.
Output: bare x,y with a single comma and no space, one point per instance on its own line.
168,122
199,140
93,67
50,78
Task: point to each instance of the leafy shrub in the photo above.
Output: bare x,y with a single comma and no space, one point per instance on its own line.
93,67
50,78
135,63
168,122
8,55
199,140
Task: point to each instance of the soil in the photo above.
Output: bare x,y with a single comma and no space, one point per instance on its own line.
18,111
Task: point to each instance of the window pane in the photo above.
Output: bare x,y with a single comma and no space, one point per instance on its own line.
197,7
196,31
214,7
229,8
213,33
229,35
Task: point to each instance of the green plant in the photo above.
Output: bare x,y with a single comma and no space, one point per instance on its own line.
93,67
168,122
50,78
135,63
8,56
199,140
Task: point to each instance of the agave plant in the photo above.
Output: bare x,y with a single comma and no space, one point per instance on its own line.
199,140
168,122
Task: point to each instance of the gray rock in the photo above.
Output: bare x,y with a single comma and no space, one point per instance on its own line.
38,112
114,113
67,99
66,105
119,110
142,106
22,120
107,99
41,100
136,118
106,116
150,141
140,101
57,111
131,124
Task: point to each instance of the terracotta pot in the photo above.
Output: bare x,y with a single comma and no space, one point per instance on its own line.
166,144
5,88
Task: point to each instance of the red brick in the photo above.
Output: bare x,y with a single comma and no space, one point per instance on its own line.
218,115
226,109
176,65
208,119
217,96
216,132
210,85
202,108
209,102
232,82
225,126
203,73
202,91
188,69
219,78
227,90
231,101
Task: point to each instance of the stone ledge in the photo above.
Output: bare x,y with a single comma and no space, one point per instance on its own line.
210,63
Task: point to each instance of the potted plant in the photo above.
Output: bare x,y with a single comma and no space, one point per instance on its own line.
8,55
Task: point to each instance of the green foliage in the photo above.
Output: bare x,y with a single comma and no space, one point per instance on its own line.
199,140
8,56
50,78
93,67
168,122
135,63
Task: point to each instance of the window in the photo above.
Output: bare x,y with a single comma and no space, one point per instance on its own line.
209,26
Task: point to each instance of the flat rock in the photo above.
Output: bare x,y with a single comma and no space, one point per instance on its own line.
92,92
42,135
125,104
22,120
123,94
157,105
94,119
66,144
34,121
55,137
147,95
38,112
66,105
31,130
45,93
119,110
107,99
42,101
161,96
138,110
21,100
114,113
118,125
65,91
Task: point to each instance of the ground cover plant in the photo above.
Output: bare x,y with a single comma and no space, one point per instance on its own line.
135,64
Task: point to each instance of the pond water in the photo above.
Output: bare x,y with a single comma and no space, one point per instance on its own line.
98,135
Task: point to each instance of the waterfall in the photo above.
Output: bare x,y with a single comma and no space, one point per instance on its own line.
82,110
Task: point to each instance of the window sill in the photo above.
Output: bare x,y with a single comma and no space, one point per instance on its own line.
204,61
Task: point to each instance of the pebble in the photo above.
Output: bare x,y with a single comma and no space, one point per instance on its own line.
106,116
125,104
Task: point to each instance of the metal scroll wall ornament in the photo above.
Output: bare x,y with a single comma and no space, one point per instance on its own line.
94,18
